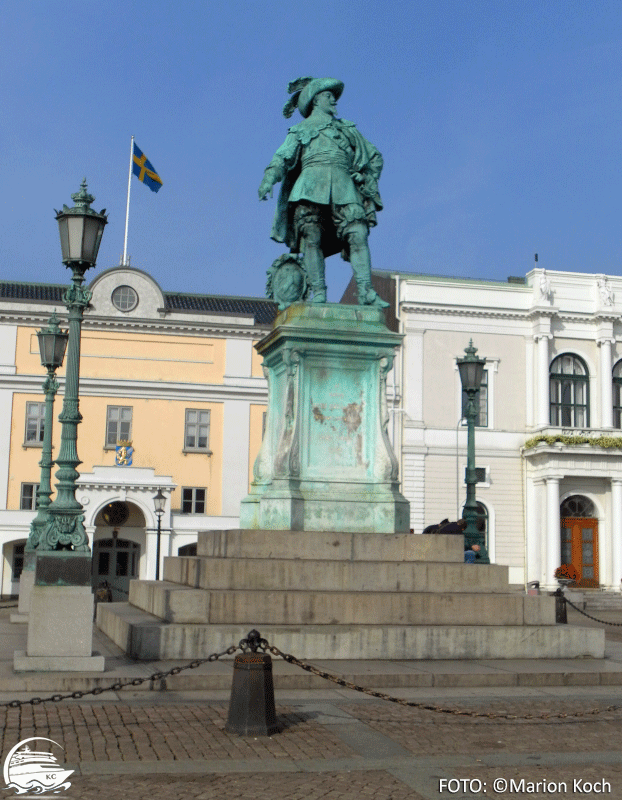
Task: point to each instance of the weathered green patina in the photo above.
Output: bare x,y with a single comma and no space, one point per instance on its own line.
329,194
63,529
50,387
326,461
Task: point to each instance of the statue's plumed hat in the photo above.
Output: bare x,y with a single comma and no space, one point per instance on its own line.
303,90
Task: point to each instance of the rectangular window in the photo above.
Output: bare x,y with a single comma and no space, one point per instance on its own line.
617,403
568,403
103,563
118,425
28,496
481,401
18,560
196,432
122,564
480,474
193,500
35,423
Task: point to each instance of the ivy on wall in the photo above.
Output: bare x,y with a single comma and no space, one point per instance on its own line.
607,442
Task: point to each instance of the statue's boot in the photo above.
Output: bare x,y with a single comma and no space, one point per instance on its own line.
316,268
369,296
361,266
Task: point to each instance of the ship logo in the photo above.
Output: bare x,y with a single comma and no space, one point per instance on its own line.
36,771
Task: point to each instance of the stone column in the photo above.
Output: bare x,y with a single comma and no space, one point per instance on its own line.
553,537
534,538
150,548
542,383
616,533
412,382
606,388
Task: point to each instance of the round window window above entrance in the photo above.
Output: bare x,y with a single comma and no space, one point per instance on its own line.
124,298
115,513
577,506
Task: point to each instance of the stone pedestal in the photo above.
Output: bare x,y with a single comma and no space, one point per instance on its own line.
60,621
334,595
326,462
26,582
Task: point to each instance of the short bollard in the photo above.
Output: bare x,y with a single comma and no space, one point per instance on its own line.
251,707
560,607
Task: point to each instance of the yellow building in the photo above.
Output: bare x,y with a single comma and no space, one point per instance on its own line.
170,377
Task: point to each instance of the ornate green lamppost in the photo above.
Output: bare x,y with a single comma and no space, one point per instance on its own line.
471,372
60,620
52,346
81,230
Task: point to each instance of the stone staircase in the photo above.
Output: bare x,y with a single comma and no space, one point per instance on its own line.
600,601
339,596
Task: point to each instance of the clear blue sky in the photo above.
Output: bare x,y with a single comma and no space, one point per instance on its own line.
499,122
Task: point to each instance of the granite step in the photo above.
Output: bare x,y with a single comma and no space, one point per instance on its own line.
599,601
146,637
236,543
175,603
388,576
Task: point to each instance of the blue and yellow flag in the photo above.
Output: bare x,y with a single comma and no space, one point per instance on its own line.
144,171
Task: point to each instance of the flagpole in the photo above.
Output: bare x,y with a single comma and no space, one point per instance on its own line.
125,262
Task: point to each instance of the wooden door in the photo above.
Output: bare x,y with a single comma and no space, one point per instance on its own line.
580,548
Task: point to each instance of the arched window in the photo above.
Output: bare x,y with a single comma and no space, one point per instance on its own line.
577,506
569,392
617,395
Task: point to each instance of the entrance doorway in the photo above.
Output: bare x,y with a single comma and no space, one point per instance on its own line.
120,530
579,539
115,561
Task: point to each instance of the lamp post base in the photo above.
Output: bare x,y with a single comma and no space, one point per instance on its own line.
60,631
26,582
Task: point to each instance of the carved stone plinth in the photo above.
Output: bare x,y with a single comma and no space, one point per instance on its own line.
326,462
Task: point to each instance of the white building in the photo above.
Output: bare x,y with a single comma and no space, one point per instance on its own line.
548,442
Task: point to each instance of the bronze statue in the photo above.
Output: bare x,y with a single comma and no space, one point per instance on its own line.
329,194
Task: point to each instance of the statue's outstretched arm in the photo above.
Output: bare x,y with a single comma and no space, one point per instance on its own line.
282,161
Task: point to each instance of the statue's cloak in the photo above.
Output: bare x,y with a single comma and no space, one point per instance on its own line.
331,184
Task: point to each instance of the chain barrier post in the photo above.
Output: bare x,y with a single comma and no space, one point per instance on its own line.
251,707
561,615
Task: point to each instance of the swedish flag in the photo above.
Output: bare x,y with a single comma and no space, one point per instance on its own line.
144,171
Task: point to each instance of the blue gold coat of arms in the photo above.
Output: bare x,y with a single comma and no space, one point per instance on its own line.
123,455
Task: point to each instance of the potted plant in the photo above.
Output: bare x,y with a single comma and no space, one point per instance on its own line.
565,575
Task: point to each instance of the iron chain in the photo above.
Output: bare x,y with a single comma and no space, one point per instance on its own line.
115,687
462,712
589,616
264,645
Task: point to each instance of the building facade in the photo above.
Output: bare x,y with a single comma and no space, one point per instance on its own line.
548,439
174,379
172,396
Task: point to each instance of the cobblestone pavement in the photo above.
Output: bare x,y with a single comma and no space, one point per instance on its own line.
371,785
163,733
335,744
338,748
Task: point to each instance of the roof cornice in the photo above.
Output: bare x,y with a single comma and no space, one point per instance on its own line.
207,327
463,312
